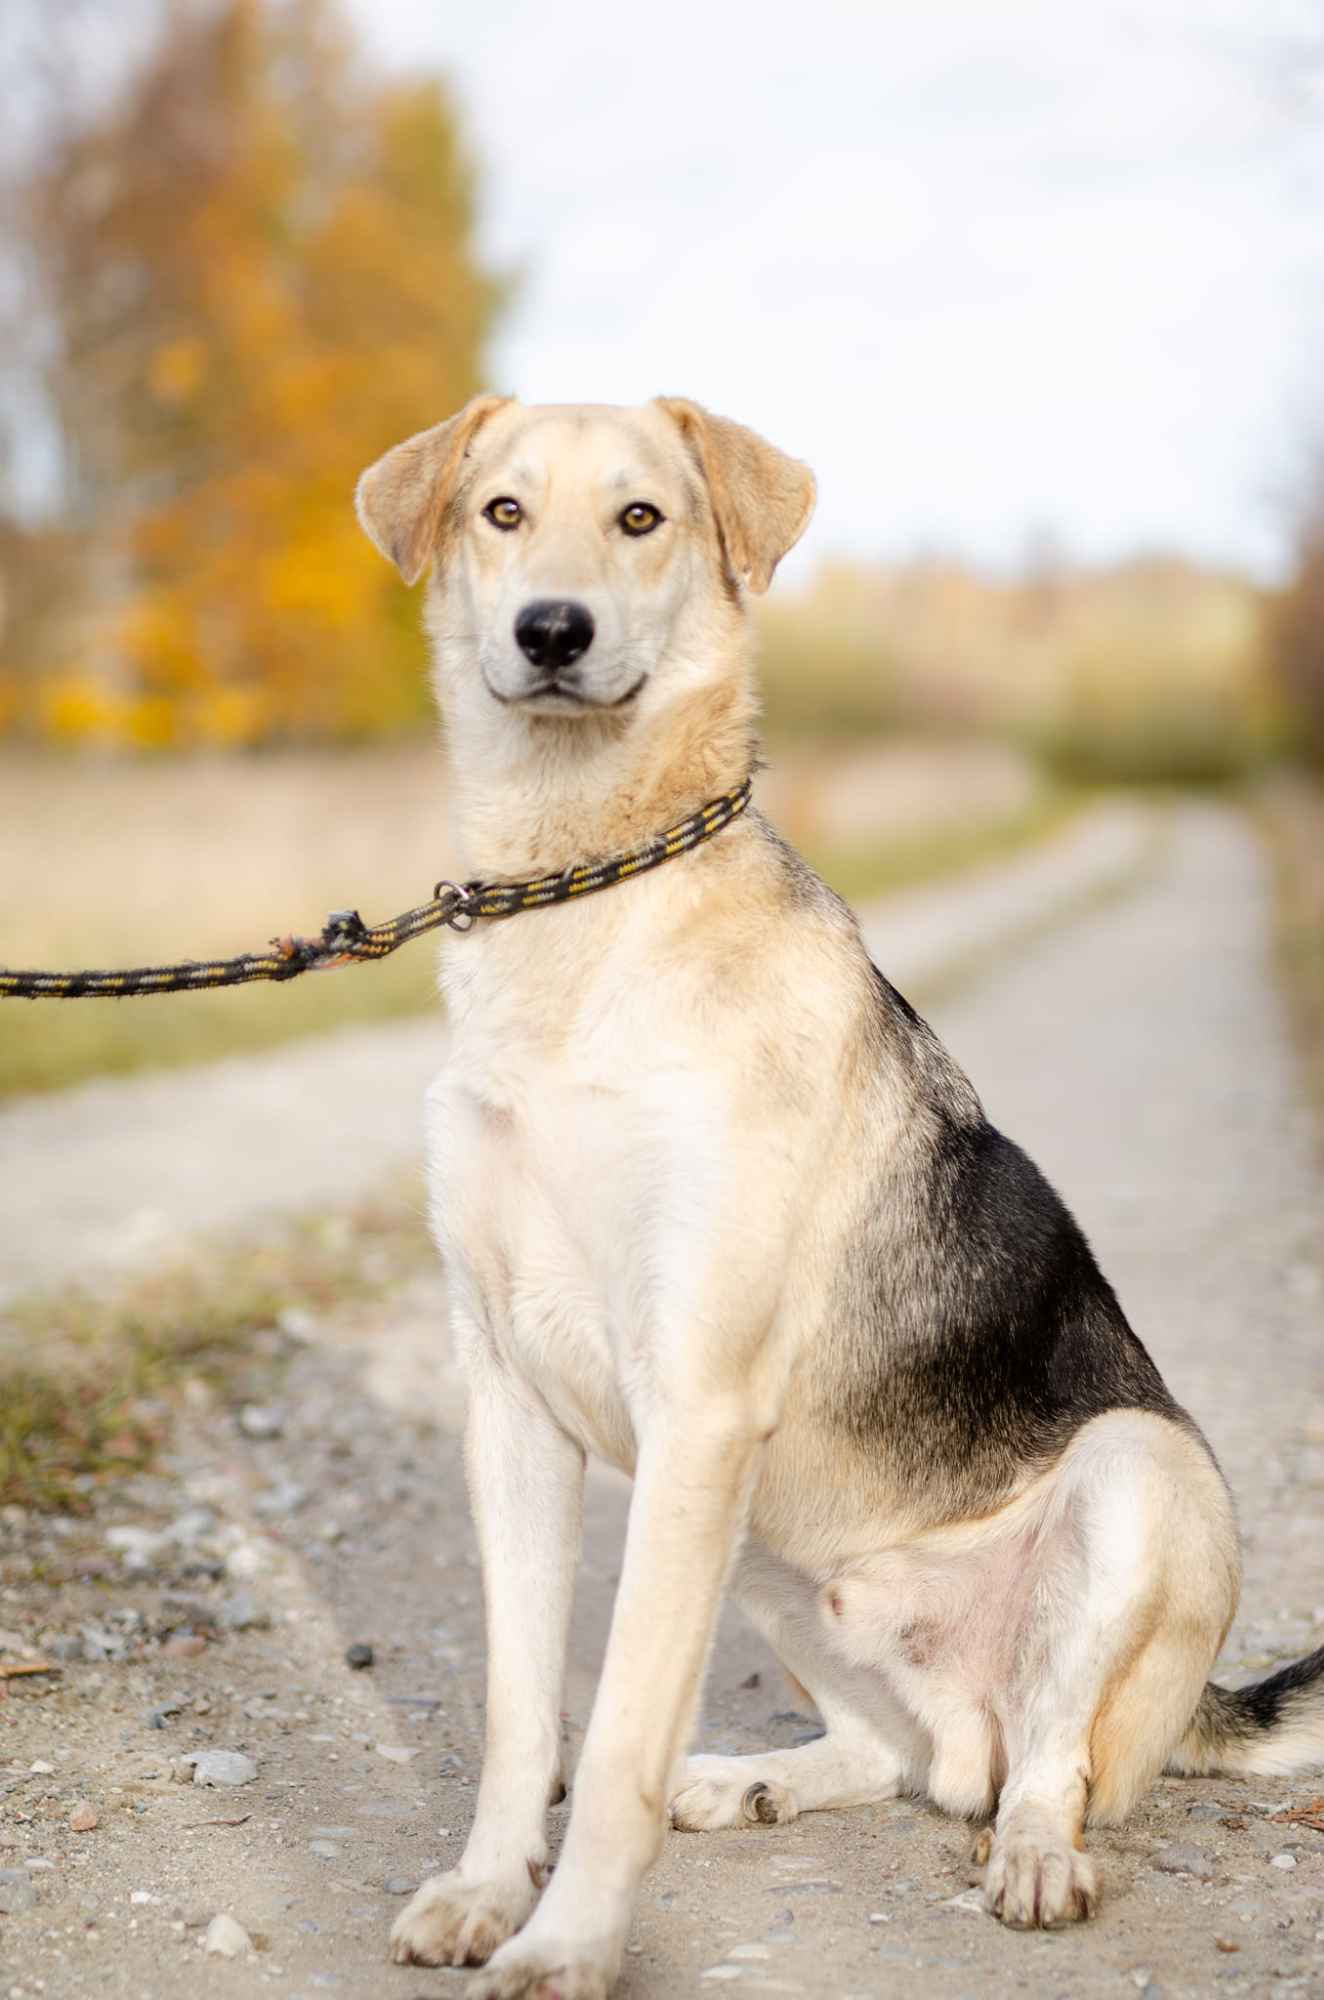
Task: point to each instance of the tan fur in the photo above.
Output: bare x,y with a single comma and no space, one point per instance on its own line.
404,499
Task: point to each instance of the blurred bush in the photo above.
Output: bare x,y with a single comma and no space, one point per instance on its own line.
1296,630
255,268
1149,670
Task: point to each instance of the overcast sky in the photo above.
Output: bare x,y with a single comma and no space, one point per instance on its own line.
995,267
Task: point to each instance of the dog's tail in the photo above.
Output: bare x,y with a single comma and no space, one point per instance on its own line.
1269,1730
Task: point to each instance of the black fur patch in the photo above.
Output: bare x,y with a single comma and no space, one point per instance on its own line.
972,1329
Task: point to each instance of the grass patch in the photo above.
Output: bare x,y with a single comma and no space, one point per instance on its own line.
91,1378
49,1044
930,854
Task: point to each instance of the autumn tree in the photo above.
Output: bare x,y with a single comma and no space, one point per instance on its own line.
257,264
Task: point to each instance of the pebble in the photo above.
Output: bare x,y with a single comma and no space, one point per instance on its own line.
242,1613
137,1548
41,1769
84,1818
329,1850
359,1656
220,1767
1204,1811
399,1885
17,1891
1283,1860
284,1498
184,1646
262,1420
226,1938
396,1753
157,1718
1179,1859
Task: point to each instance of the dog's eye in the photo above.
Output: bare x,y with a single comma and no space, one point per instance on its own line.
640,518
504,513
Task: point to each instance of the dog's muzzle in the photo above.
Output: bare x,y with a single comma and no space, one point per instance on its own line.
554,632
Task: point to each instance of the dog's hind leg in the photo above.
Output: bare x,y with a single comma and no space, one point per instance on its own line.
1132,1578
870,1750
526,1486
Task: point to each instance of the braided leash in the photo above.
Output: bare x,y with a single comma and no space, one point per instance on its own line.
346,939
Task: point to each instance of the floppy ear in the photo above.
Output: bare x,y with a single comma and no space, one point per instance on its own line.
403,498
761,499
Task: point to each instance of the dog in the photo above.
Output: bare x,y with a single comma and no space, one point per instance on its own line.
717,1206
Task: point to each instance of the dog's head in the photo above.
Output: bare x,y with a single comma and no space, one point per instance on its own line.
583,553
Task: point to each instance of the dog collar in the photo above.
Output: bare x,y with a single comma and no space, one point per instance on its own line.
506,899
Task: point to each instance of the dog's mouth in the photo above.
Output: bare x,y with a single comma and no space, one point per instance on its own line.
561,692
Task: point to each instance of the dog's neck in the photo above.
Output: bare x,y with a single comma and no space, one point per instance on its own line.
532,795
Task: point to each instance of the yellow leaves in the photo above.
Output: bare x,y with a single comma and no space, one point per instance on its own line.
280,283
177,370
76,708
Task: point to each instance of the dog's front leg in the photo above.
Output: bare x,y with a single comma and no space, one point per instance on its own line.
691,1491
526,1480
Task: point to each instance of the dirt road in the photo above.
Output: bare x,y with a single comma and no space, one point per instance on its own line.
1140,1052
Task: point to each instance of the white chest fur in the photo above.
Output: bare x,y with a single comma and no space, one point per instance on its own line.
572,1139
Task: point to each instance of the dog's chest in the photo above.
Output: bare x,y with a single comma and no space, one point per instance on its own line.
568,1175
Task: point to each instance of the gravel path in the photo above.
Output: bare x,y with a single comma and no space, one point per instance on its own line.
117,1172
1141,1053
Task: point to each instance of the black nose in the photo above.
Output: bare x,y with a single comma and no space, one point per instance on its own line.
553,631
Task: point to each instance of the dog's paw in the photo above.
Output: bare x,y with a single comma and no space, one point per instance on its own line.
453,1922
527,1972
1037,1882
726,1791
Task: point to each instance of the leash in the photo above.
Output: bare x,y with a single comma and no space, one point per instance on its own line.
346,939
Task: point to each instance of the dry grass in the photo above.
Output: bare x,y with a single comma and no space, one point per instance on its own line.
131,863
90,1377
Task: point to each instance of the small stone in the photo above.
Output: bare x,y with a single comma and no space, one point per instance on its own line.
39,1768
328,1850
1204,1811
359,1656
1226,1944
1179,1859
241,1612
142,1897
137,1548
191,1527
84,1818
1283,1860
17,1892
396,1753
261,1420
284,1498
399,1885
752,1680
226,1938
157,1718
184,1646
220,1767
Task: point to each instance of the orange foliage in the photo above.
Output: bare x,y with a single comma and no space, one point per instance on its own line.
263,273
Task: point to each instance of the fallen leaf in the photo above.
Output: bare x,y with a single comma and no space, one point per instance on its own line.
11,1669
